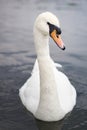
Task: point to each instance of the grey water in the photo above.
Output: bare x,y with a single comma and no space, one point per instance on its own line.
17,56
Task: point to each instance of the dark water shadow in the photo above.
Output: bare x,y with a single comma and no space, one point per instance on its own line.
49,125
56,125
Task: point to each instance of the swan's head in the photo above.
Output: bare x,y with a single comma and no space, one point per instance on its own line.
48,24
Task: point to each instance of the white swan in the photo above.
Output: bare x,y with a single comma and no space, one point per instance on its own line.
47,94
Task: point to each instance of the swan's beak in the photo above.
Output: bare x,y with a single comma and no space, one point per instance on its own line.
57,38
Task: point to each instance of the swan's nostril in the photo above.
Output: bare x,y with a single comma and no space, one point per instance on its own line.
57,36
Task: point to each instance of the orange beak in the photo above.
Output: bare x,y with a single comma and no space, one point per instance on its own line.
57,39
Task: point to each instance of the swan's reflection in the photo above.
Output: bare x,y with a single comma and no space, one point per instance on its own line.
49,125
42,125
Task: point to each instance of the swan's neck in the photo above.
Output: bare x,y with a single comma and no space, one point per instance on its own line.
48,91
41,44
48,103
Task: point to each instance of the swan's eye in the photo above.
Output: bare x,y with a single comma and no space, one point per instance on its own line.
54,27
58,31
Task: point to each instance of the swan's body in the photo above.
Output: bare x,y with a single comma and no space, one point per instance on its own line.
47,94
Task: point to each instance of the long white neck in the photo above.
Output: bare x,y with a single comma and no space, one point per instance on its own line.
48,92
41,44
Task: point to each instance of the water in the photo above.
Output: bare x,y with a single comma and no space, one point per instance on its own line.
17,56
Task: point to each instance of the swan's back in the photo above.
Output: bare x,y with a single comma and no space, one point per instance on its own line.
30,91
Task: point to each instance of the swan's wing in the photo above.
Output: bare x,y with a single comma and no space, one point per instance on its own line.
29,92
66,91
58,65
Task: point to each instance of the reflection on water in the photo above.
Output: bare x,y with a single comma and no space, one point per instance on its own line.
49,125
58,125
17,56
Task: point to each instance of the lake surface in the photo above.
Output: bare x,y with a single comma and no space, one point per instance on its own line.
17,56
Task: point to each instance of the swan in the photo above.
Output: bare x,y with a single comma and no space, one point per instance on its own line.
48,93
